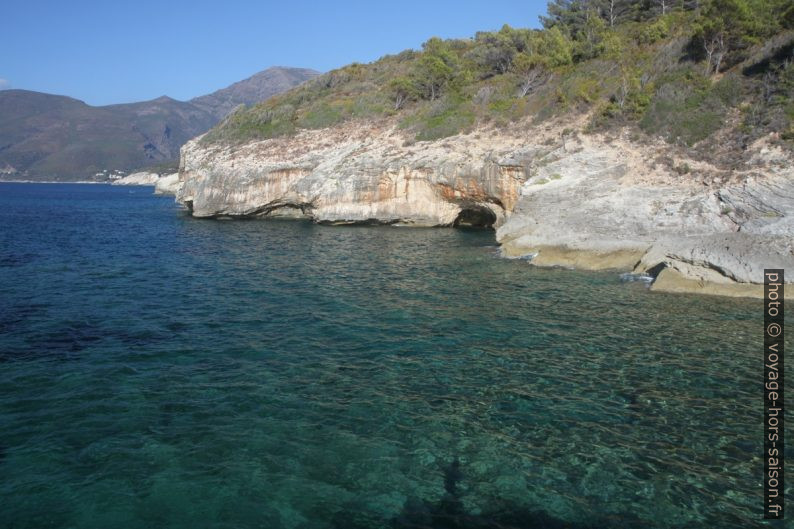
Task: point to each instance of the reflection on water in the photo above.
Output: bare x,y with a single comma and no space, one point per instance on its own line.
163,371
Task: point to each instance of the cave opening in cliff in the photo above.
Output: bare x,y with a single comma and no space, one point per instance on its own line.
475,216
654,271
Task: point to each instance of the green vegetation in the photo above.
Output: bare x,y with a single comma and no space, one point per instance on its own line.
688,107
164,168
674,68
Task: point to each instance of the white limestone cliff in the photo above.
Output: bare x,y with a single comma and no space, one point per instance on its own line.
141,178
167,184
581,200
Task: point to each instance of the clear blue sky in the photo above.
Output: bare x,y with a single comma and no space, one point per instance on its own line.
113,51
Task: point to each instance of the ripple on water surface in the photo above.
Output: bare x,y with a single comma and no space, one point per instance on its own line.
163,371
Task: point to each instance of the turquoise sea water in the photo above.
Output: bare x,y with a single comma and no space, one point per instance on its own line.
163,371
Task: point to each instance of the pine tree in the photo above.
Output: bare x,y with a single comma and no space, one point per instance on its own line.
574,14
566,14
724,27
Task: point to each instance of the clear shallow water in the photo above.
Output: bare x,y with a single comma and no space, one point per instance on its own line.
162,371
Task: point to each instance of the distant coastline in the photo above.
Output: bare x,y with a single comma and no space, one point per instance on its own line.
61,182
34,127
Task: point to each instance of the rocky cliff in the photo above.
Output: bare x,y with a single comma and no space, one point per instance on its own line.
557,197
141,178
167,184
356,173
164,184
603,203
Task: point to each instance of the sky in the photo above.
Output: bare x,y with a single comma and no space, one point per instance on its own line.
105,52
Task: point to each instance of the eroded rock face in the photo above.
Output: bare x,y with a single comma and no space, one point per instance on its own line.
167,184
583,201
142,178
598,205
354,176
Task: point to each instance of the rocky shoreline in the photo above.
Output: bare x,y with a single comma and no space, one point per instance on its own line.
556,197
587,208
165,184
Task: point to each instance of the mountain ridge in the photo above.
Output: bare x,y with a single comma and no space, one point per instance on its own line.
258,87
58,137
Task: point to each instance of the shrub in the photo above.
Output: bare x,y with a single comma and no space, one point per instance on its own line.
686,108
626,63
324,114
449,116
652,33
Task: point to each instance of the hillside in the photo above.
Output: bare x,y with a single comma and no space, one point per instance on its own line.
45,136
255,89
683,75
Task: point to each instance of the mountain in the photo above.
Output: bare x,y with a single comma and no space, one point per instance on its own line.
256,88
52,137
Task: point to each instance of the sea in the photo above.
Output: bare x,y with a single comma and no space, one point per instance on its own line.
162,371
